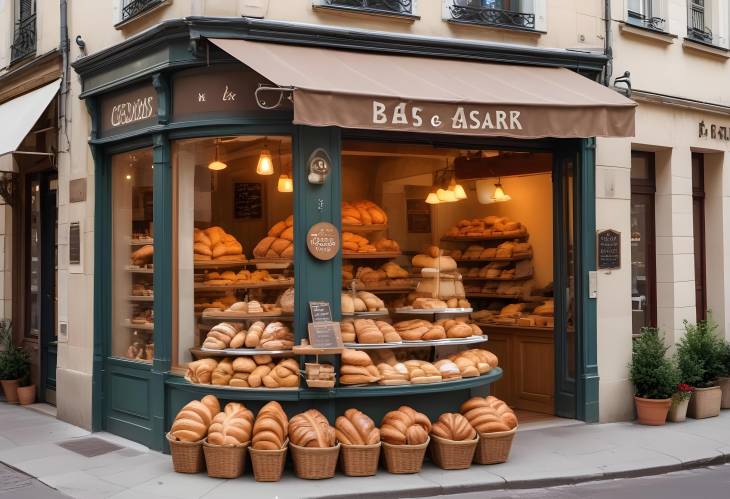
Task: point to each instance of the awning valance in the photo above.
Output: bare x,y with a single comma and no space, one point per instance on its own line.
433,95
18,115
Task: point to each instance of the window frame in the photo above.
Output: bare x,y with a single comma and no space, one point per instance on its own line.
703,34
698,222
328,5
537,9
651,15
120,21
25,31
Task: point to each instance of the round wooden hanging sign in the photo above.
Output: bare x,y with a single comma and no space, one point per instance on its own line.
323,241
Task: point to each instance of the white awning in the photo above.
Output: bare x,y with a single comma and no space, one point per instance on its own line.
19,115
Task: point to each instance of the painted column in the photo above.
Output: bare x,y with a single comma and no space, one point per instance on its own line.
717,234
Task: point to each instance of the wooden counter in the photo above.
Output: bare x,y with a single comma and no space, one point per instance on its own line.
526,355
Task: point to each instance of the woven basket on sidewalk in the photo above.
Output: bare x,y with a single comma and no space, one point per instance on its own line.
452,454
187,457
314,463
225,461
268,465
404,458
494,447
360,460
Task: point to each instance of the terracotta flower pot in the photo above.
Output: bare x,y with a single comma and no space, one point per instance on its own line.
678,411
10,388
26,394
652,412
725,389
705,403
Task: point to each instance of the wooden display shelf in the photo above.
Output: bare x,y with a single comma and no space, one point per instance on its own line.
380,289
225,315
142,242
142,327
200,353
272,261
514,326
380,255
432,311
359,391
144,298
246,285
213,264
472,340
459,239
520,278
376,313
363,229
310,350
140,270
518,258
493,295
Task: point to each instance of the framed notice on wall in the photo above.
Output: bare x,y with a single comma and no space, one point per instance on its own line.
418,216
248,200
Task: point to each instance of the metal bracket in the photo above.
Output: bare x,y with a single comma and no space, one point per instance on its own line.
263,103
8,187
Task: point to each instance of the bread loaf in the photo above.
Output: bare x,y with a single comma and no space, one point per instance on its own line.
405,426
271,428
453,426
201,371
192,422
356,428
231,427
284,375
276,336
488,414
311,429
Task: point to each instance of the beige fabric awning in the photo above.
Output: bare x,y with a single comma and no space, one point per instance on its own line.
433,95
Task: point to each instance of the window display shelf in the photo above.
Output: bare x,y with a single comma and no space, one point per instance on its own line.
385,255
513,326
213,265
516,278
382,290
363,229
459,239
376,313
517,258
492,295
240,316
142,242
432,311
141,298
200,353
285,262
140,270
246,285
472,340
142,327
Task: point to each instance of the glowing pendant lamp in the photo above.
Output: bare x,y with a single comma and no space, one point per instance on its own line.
432,198
285,183
265,165
216,165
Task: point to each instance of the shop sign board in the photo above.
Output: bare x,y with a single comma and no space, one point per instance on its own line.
321,311
323,241
325,335
714,131
608,249
128,110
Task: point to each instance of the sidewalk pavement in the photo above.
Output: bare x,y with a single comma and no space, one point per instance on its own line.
29,442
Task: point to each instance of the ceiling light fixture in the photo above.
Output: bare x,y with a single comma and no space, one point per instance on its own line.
432,198
216,165
499,195
265,165
285,184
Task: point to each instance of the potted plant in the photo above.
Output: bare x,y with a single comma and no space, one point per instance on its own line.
724,379
654,378
680,402
26,389
699,357
14,363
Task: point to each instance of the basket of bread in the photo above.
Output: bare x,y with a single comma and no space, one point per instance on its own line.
453,442
188,431
313,445
404,433
269,443
228,438
360,443
496,424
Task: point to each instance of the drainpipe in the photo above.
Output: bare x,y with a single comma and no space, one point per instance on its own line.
65,47
608,49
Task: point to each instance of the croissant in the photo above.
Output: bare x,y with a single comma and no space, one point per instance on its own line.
192,422
356,428
311,429
201,371
233,426
405,426
271,427
490,414
453,426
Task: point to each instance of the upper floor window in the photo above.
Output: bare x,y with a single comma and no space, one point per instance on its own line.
646,13
500,13
699,21
398,7
24,36
133,8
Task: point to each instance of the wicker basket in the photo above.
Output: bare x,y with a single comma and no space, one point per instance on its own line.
452,454
225,461
404,458
314,463
268,465
360,460
187,457
494,447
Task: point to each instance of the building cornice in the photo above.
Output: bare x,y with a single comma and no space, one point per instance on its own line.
683,102
30,75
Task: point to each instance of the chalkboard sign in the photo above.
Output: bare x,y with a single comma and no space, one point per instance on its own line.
248,201
321,311
608,249
325,335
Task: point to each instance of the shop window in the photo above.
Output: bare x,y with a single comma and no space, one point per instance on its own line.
234,251
498,13
698,222
699,21
643,242
132,256
24,37
128,10
393,7
646,13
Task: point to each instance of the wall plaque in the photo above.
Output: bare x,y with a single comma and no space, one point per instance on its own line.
323,241
129,109
608,249
325,335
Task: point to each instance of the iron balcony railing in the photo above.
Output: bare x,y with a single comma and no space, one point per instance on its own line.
651,22
24,39
375,6
132,8
492,17
696,28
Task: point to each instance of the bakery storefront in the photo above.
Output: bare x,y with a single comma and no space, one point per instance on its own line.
440,211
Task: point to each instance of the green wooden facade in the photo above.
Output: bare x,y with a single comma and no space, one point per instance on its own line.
138,401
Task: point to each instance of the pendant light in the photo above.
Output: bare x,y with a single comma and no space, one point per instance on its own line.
265,165
285,184
457,189
216,165
432,198
499,195
446,196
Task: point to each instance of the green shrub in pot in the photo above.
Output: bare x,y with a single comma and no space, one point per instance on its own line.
700,360
654,377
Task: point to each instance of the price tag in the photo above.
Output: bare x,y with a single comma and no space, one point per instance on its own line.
321,311
325,335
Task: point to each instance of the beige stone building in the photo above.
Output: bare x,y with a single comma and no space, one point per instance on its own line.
675,50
